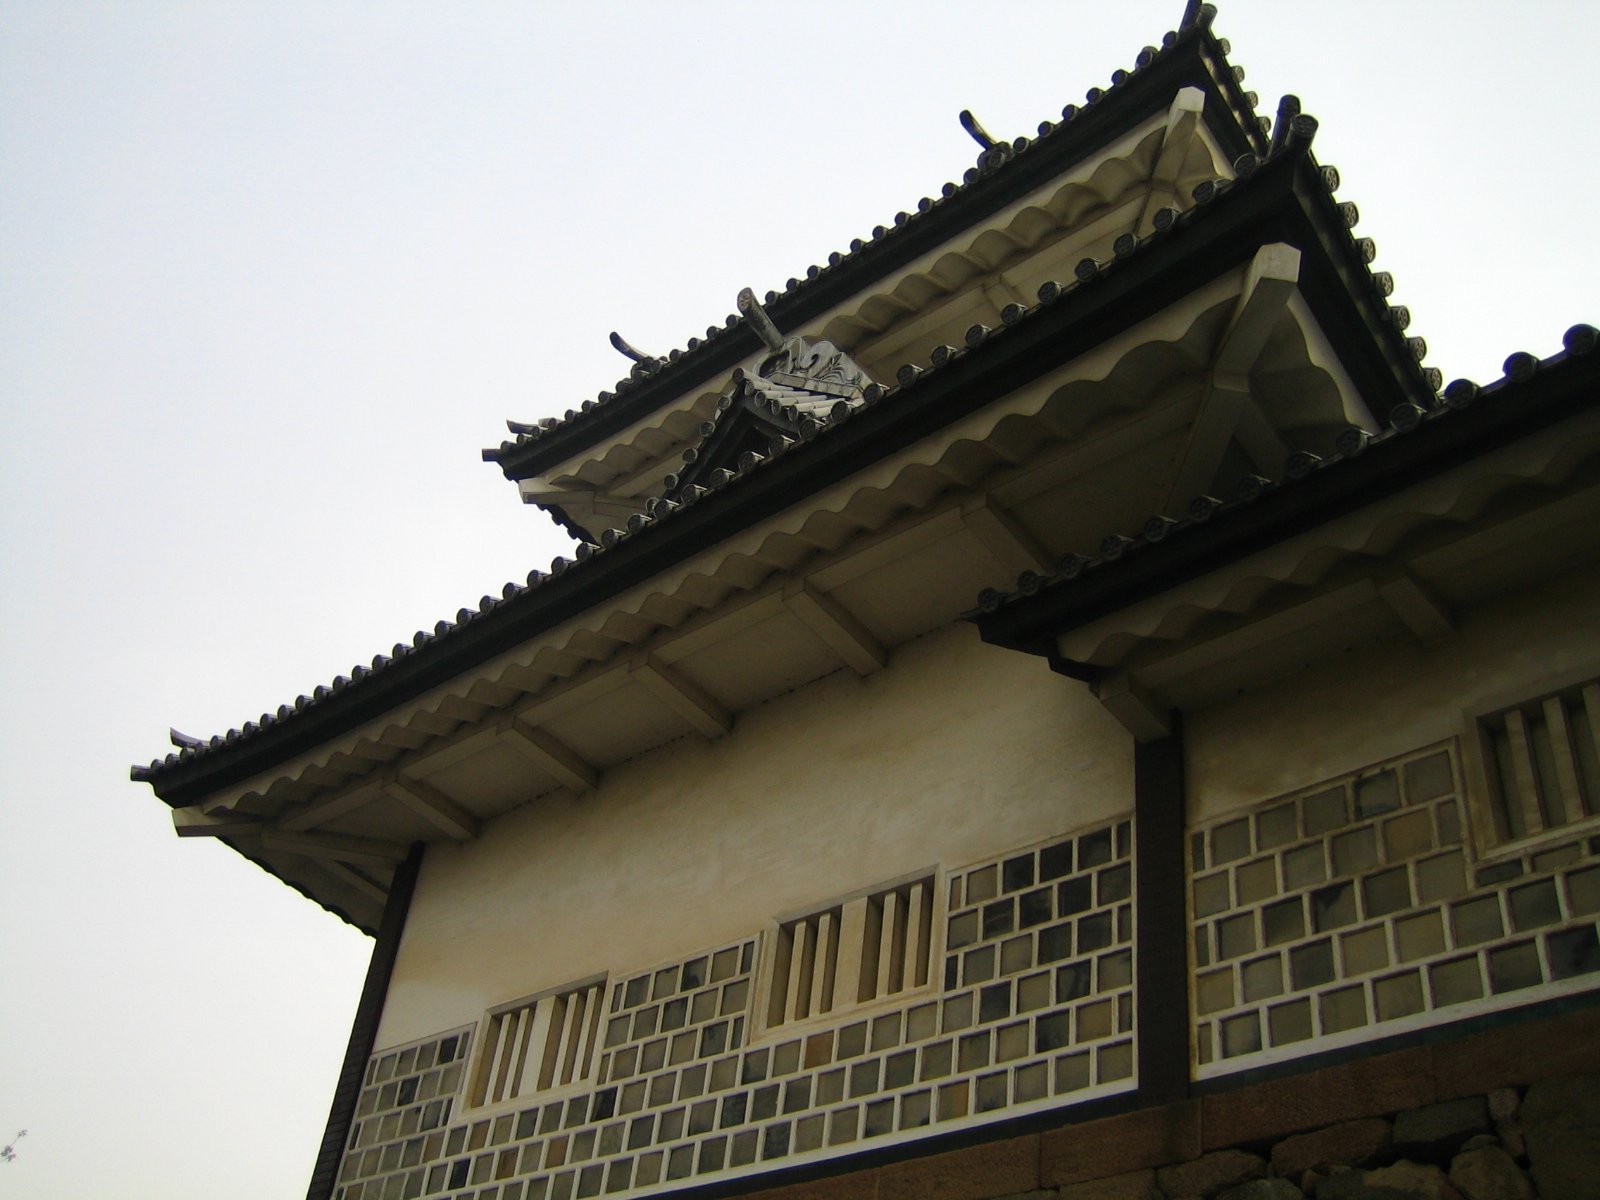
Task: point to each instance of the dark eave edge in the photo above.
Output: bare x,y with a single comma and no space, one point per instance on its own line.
1133,97
1219,233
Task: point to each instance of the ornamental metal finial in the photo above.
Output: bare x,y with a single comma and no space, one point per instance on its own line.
756,317
620,344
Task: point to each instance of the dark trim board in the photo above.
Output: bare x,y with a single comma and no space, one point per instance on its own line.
1431,1035
364,1029
1085,1113
1161,958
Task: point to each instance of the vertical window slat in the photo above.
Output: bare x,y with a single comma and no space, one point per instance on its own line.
517,1051
1586,733
824,964
871,937
1566,794
571,1034
915,970
891,944
782,958
550,1066
538,1041
588,1025
800,960
502,1055
1522,773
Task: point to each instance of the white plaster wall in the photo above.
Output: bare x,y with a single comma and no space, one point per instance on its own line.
955,752
1389,698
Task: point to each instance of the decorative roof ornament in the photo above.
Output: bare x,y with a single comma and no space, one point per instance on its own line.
978,133
621,346
993,151
793,364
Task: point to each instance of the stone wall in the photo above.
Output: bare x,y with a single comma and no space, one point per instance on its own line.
1510,1113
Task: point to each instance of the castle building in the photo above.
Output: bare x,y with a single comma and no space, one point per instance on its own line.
1058,694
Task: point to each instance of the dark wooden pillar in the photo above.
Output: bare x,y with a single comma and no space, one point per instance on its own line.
365,1027
1161,982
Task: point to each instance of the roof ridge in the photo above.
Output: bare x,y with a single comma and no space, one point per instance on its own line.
1196,24
659,509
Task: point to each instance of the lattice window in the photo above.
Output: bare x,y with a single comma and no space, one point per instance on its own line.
852,953
1541,763
548,1041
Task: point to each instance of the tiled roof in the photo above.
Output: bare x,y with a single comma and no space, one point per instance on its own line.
655,381
522,610
1506,398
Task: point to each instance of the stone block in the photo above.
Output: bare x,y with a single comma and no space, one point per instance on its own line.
1341,1184
1262,1189
981,1172
1512,1138
1518,1054
1350,1143
1132,1185
1489,1173
1211,1173
853,1185
1561,1121
1441,1128
1150,1137
1503,1103
1366,1087
1407,1181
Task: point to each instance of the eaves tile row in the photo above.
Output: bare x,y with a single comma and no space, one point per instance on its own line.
657,380
572,585
1508,397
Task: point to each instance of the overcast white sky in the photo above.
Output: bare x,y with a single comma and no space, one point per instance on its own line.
271,275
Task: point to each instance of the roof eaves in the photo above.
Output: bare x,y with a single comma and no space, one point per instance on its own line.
1004,172
572,586
1416,443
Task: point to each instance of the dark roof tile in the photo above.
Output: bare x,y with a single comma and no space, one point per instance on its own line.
1579,341
662,508
1196,21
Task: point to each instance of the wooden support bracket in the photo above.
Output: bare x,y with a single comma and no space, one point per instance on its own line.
433,806
837,626
549,754
687,699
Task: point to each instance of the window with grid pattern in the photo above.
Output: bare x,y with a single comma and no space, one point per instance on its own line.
533,1045
852,953
1541,763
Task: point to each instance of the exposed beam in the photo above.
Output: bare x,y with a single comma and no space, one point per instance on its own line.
332,847
1227,410
549,754
433,806
1129,703
1002,536
324,847
1273,275
1424,614
682,696
1183,120
330,808
327,775
352,878
1258,630
191,822
837,626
